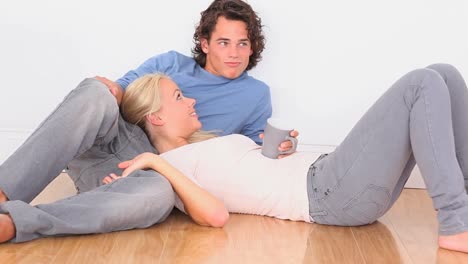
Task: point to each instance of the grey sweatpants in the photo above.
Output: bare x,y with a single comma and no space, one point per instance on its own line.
87,135
423,119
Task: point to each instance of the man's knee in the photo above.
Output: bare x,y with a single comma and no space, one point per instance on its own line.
161,197
160,194
95,95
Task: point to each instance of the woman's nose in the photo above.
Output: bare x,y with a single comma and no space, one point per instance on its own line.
192,101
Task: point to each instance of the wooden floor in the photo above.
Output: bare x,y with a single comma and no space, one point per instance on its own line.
407,234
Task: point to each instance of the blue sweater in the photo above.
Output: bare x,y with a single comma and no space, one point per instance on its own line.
237,106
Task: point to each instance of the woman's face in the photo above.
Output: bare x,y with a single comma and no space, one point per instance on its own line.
177,112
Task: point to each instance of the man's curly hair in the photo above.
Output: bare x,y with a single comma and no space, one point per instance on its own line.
231,10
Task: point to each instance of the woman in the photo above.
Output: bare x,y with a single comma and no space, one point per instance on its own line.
354,185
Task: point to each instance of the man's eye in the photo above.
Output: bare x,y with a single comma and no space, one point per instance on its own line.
243,44
223,43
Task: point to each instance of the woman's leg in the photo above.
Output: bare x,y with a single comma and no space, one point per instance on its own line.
138,201
459,102
358,182
88,116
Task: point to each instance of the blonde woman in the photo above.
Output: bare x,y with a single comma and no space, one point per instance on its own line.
354,185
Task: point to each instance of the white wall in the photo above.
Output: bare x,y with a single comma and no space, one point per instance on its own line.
326,61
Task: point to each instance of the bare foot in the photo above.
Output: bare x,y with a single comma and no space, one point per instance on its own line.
458,242
7,228
3,197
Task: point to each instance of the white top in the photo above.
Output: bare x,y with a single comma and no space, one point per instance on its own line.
233,169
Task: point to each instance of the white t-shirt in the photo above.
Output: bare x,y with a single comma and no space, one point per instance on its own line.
233,169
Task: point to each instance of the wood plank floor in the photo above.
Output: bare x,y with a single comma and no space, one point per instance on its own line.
406,234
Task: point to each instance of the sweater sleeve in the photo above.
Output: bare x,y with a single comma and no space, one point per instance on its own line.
258,119
159,63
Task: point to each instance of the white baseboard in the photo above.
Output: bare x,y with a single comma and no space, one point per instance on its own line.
11,139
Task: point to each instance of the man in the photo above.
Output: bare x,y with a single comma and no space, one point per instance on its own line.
228,42
98,139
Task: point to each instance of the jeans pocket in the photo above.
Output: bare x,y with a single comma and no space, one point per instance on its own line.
367,206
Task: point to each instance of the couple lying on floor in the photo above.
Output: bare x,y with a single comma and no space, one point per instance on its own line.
127,167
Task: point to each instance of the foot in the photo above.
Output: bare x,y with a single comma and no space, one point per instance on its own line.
3,197
7,228
458,242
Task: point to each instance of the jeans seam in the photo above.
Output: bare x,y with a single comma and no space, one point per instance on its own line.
429,128
117,153
83,171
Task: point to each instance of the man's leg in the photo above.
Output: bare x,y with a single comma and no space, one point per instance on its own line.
138,201
87,116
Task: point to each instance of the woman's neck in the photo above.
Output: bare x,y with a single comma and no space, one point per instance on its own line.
164,144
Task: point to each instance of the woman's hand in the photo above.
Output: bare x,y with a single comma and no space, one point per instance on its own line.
143,161
285,145
112,177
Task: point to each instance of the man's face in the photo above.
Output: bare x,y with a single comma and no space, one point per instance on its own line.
229,49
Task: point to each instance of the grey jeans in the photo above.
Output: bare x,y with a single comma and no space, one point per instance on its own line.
423,119
87,135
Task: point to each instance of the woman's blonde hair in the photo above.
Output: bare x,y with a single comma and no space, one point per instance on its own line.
142,98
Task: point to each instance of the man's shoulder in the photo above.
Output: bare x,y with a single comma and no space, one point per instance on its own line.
256,82
178,56
173,55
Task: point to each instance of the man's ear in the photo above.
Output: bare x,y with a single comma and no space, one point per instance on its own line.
154,119
204,45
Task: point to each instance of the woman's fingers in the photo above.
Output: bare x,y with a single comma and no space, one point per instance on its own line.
107,180
112,177
125,164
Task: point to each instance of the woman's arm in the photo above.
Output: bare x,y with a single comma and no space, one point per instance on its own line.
200,205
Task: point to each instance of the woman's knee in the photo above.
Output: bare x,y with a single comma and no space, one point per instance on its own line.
423,79
443,68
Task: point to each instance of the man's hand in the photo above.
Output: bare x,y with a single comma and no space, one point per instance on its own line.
114,88
285,145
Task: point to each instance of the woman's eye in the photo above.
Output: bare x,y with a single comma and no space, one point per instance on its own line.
179,96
